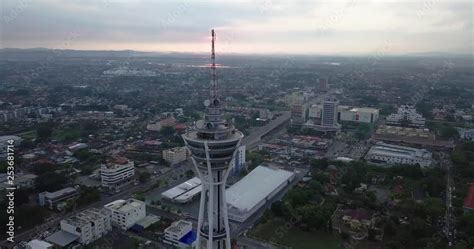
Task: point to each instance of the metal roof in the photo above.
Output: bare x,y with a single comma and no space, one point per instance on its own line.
255,187
62,238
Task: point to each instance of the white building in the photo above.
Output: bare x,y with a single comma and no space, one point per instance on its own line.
125,213
315,111
184,192
406,116
361,115
38,244
89,225
249,194
180,234
117,173
467,134
175,155
53,200
394,154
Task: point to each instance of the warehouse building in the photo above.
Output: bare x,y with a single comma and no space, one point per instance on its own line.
395,154
249,194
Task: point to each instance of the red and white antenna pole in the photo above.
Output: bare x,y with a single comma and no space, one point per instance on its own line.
213,69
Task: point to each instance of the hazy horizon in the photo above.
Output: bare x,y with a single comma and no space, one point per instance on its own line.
243,27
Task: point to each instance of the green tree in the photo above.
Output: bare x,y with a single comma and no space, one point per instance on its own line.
50,181
433,207
88,195
143,176
43,168
189,173
44,132
167,131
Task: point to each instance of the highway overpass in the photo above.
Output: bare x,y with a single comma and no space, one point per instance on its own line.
256,136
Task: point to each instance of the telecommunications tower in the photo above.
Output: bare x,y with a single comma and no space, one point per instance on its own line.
213,143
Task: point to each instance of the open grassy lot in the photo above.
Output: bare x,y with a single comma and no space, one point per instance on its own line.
288,235
28,135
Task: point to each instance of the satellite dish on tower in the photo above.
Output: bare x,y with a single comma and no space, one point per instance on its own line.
207,102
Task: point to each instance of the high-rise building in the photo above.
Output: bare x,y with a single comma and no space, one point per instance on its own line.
329,114
239,161
213,143
298,113
323,84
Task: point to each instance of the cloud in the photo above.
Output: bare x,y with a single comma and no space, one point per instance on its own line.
264,26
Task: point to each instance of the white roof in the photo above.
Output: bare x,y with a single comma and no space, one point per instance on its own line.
124,205
184,190
256,186
185,197
39,244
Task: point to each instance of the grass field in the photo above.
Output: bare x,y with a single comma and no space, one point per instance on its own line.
67,134
275,230
28,135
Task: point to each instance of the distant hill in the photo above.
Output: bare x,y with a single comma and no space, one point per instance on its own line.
36,53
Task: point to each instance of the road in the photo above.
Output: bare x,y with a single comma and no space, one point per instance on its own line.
450,224
254,138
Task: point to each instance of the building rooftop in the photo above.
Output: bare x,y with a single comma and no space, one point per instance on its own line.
176,149
178,226
364,109
124,205
62,238
256,186
182,188
117,163
400,151
39,244
120,160
189,238
148,220
469,201
60,193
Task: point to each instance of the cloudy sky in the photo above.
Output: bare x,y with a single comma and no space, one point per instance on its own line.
259,26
